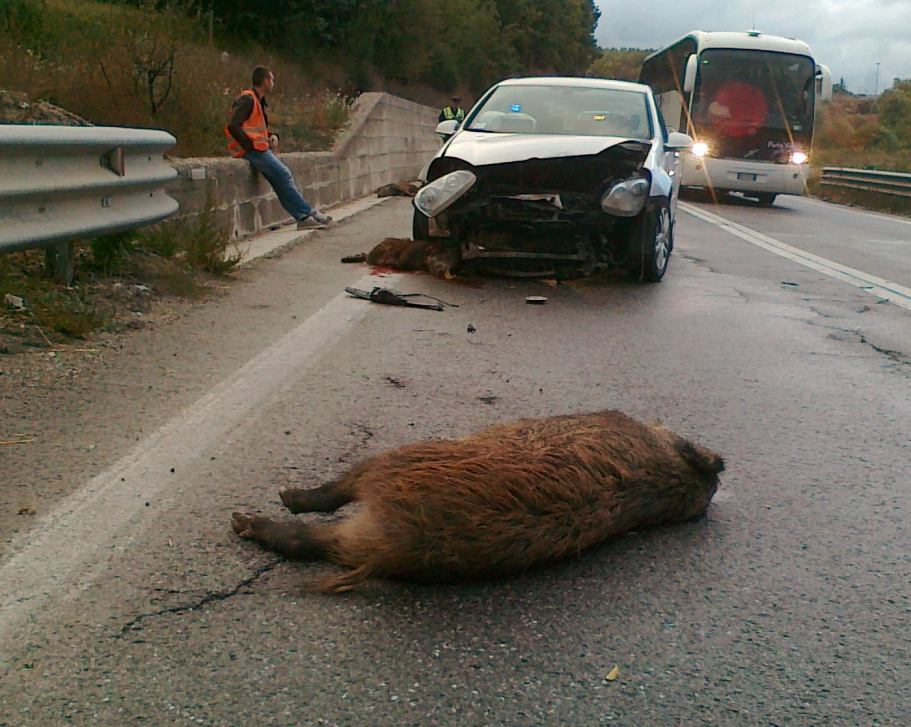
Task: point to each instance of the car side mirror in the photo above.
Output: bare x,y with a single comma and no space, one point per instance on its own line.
447,128
689,76
677,141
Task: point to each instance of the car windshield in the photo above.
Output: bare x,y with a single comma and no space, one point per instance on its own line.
564,110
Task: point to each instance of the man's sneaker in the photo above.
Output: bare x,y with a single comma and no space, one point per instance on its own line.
321,218
310,223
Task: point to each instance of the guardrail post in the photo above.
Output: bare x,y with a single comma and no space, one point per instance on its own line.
60,262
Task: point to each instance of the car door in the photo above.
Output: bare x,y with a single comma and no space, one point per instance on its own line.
672,163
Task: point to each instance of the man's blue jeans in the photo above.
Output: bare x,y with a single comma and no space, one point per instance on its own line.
279,176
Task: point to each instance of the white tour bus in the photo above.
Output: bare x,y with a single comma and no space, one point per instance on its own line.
748,100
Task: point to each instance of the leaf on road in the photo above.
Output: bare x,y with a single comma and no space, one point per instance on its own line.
613,674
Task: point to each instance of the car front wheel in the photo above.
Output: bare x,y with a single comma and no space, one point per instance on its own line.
650,264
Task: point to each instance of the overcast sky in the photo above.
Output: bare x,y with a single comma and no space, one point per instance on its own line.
849,36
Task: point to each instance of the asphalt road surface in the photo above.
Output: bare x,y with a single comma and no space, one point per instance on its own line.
780,337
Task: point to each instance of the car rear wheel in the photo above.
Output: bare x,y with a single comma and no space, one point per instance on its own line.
766,199
420,226
650,264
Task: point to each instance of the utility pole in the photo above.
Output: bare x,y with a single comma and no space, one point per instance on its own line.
876,87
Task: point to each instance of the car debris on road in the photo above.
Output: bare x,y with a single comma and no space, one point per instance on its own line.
387,297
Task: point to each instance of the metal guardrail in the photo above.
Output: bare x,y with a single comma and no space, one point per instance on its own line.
870,180
62,183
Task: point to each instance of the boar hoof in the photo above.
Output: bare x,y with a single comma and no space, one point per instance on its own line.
243,524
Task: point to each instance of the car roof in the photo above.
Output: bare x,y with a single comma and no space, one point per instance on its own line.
577,81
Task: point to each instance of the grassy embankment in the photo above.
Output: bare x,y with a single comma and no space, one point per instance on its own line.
138,67
861,133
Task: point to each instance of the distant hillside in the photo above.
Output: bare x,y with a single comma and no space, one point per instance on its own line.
623,64
178,64
866,132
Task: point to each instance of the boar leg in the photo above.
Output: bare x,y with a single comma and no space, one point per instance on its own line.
300,541
327,498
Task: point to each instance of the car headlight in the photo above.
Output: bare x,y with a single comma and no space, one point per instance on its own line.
700,149
626,198
442,192
798,157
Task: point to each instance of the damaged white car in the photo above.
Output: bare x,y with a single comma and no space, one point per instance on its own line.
557,177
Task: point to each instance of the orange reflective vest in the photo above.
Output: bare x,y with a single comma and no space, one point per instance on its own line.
254,127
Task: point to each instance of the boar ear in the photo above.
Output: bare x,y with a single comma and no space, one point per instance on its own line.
700,459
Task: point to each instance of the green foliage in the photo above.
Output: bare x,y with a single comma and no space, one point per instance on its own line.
49,307
457,43
201,241
894,110
150,64
153,63
109,251
861,132
23,18
442,72
74,316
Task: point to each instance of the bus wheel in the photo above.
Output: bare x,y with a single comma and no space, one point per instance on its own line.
420,226
650,262
766,199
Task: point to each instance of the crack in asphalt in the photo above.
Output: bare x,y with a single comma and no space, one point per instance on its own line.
698,260
366,435
136,624
895,356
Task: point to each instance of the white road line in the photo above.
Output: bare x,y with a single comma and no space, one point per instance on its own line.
885,289
63,554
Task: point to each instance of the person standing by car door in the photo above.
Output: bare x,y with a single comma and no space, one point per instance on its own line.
252,139
454,111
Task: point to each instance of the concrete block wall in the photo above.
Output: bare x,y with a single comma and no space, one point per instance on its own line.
386,139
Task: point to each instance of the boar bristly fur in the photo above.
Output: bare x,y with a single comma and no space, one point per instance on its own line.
415,255
496,502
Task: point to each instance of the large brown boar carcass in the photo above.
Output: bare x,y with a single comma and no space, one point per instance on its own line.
411,255
497,502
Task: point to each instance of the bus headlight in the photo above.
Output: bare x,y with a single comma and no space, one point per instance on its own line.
442,192
700,149
626,198
798,157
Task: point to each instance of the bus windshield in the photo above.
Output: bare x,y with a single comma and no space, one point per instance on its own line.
754,104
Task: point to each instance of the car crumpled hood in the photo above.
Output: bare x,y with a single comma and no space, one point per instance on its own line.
483,149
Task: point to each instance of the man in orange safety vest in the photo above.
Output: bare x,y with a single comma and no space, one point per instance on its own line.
252,139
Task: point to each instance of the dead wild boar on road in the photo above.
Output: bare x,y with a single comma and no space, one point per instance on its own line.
398,189
497,502
410,255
